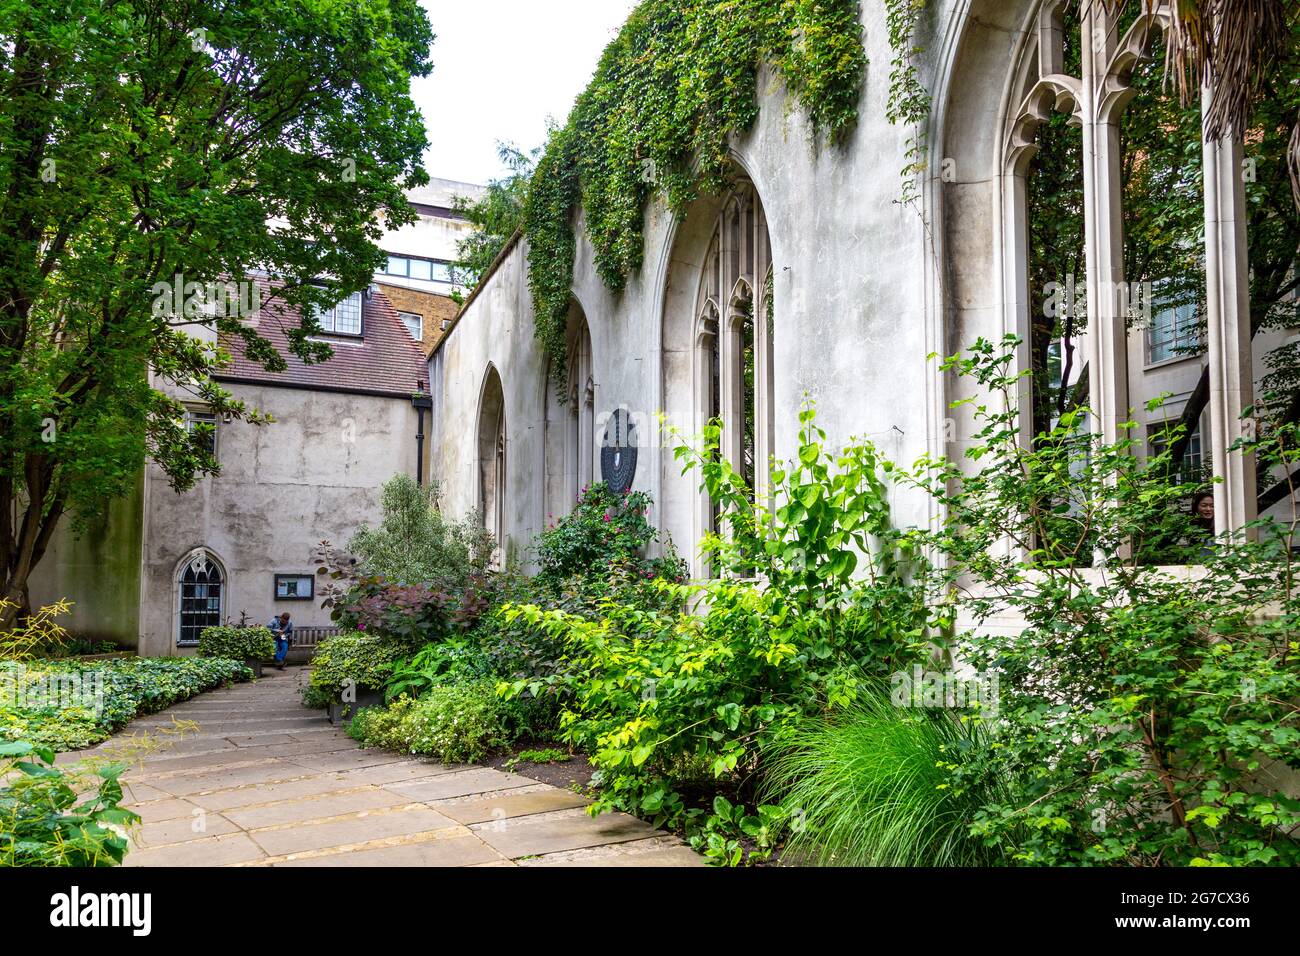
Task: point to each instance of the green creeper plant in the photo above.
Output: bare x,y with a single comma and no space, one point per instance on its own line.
680,79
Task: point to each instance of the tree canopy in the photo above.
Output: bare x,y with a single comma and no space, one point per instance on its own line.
148,149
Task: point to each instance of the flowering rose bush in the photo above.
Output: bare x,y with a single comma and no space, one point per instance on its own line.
606,532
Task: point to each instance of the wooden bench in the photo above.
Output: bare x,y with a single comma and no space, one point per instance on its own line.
305,640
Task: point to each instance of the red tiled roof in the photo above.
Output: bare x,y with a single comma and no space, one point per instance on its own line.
385,360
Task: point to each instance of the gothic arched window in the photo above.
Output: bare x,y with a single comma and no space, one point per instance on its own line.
202,584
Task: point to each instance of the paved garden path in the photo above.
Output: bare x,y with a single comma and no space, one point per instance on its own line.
265,782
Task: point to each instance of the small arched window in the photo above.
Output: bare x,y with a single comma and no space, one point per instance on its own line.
202,596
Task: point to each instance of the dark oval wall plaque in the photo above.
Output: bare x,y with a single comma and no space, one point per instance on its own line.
618,452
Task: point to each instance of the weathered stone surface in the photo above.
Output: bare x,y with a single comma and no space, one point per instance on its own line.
212,851
463,850
398,773
509,803
347,761
182,829
158,810
313,808
563,830
637,853
182,784
356,829
460,784
271,793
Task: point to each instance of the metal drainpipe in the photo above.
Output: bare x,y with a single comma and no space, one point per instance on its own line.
421,400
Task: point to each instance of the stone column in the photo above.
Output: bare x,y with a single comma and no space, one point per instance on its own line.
1227,319
1107,345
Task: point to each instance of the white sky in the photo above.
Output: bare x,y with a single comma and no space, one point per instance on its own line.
500,67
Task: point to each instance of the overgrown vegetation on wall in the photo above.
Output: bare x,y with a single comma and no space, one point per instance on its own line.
909,101
679,80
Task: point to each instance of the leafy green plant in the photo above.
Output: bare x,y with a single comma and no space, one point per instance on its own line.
154,144
872,786
69,704
1143,711
663,701
56,815
352,659
455,723
36,635
416,544
605,531
453,661
417,577
237,643
495,215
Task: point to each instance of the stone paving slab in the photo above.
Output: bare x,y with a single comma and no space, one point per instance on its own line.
265,782
213,851
398,773
509,803
271,793
352,830
347,760
182,830
637,853
314,808
156,811
561,830
458,850
461,784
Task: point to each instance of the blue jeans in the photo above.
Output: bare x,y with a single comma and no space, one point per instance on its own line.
281,649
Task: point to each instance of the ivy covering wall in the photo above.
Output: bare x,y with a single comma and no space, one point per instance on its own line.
679,80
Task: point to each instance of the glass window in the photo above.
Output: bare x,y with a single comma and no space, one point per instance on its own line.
344,318
421,269
193,420
1173,333
1193,464
441,271
414,323
201,598
397,266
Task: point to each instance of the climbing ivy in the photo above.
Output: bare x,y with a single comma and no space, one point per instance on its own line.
908,101
677,82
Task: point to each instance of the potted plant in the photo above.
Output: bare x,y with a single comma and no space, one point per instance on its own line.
251,645
349,672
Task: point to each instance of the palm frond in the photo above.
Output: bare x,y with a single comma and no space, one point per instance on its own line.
1232,45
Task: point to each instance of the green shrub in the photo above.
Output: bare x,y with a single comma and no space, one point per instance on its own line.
1146,718
71,704
604,528
454,723
872,787
352,658
657,697
59,815
456,661
415,543
237,643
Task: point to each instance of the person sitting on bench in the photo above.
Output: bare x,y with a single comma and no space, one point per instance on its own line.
282,630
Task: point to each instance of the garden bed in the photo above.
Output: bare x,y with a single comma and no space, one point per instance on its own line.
70,704
572,774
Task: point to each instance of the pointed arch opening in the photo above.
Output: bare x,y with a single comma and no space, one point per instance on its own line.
569,423
201,595
492,457
718,343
